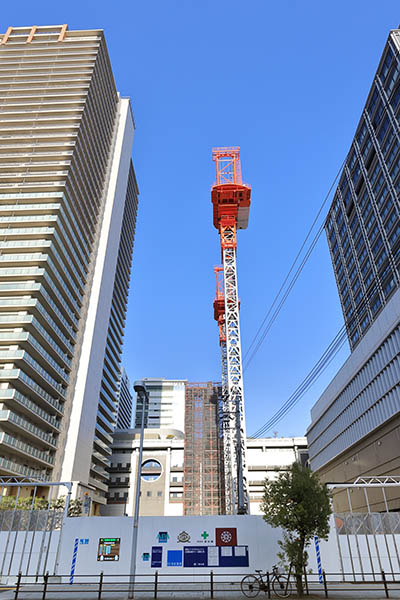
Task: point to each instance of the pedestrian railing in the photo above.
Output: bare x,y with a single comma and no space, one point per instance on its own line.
207,585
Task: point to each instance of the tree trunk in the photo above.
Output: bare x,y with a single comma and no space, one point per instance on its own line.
299,568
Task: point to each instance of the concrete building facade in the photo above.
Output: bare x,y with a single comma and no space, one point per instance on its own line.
164,485
355,427
167,404
125,401
68,200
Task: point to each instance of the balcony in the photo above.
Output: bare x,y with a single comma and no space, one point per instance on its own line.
105,448
25,449
98,484
21,378
23,427
13,468
11,396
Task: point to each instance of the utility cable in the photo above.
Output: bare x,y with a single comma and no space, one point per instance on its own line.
317,370
291,284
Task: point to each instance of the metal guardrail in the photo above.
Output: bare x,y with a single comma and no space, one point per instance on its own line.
212,585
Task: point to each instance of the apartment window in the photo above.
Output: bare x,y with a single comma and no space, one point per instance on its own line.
381,258
366,148
352,160
363,253
374,233
388,287
378,115
388,225
343,184
382,196
365,322
387,62
392,79
383,129
374,174
377,246
355,177
366,267
395,98
373,102
159,494
362,133
358,297
149,494
388,142
369,279
376,305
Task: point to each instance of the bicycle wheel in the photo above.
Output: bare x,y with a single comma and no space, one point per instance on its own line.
282,586
250,586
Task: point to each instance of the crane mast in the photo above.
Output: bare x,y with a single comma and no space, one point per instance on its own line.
231,203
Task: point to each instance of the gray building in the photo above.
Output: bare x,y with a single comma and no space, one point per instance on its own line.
363,224
68,199
125,401
355,424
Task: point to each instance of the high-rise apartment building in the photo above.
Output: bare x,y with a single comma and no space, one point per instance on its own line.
125,402
363,225
167,404
355,426
68,200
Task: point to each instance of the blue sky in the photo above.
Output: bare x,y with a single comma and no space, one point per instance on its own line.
286,81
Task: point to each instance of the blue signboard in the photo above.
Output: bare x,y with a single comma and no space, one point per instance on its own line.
174,558
233,556
195,556
156,557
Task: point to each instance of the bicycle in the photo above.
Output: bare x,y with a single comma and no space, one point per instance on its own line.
251,585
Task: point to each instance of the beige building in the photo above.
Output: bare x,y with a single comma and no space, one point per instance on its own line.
163,470
68,201
162,473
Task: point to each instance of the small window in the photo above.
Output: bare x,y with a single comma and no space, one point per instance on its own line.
159,494
149,494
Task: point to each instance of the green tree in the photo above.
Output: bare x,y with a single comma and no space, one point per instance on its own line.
299,503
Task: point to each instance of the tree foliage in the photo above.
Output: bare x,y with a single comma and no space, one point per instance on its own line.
74,508
299,503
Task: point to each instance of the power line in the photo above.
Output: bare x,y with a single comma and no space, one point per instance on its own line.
292,282
317,370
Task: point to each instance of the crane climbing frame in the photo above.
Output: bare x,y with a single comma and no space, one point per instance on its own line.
231,203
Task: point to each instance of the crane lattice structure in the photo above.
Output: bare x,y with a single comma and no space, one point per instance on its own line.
231,204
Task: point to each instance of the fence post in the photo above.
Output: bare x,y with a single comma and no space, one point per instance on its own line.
155,584
18,585
325,586
45,580
268,585
306,580
385,584
100,585
212,583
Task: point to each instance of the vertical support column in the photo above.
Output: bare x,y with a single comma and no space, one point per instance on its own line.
234,366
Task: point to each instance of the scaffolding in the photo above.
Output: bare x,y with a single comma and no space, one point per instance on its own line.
203,456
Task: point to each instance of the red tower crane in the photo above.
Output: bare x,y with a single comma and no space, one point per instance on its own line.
231,203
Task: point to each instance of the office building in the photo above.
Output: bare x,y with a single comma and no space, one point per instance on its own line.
355,426
68,200
124,401
164,486
167,404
